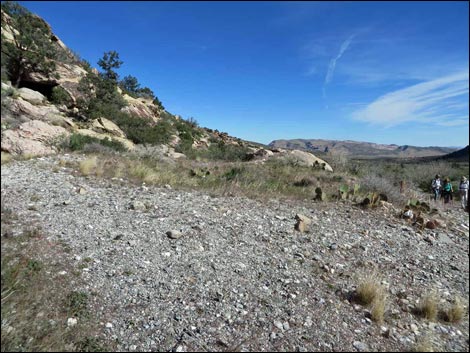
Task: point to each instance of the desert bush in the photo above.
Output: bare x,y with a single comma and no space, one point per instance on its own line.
60,96
100,97
144,131
454,312
79,142
6,157
370,292
381,185
423,344
188,132
379,306
306,181
428,306
368,289
77,304
224,152
87,166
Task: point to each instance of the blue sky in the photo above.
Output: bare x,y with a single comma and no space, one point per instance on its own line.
384,72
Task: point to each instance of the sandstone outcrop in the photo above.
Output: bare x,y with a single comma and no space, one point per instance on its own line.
32,138
103,125
33,97
140,107
87,132
308,159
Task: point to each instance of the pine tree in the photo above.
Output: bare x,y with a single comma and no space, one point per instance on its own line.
30,49
108,62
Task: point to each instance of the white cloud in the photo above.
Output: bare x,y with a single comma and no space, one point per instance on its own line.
332,65
428,102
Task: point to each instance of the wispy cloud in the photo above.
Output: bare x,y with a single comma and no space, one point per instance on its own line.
332,65
442,101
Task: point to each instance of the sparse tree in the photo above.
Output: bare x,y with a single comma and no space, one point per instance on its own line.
145,92
157,102
129,84
108,62
28,48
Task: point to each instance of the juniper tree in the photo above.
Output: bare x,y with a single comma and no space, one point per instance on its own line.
108,62
28,47
129,84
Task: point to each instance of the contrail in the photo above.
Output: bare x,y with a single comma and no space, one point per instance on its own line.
331,67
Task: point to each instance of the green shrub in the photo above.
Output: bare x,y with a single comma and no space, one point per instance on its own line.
60,96
77,303
225,152
233,173
100,97
188,132
77,142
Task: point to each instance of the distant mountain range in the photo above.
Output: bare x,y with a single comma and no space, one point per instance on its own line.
358,149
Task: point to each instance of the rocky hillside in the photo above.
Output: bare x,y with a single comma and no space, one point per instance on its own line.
168,270
360,149
56,99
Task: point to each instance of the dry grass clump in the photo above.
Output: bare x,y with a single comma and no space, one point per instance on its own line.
144,173
379,306
88,165
423,344
6,157
428,306
371,292
455,312
368,289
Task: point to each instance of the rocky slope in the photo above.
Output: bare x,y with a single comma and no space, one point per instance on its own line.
184,271
33,125
361,149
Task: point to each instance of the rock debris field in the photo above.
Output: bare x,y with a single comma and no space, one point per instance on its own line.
172,270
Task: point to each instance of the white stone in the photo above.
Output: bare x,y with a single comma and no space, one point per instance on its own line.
72,321
31,96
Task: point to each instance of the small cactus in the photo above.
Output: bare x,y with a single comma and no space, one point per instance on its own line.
372,199
355,189
343,191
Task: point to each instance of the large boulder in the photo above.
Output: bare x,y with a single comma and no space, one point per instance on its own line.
69,75
35,138
259,153
308,159
103,125
33,97
34,112
140,107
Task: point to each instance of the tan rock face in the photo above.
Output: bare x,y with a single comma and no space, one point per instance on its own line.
34,112
127,143
33,97
103,125
33,138
203,142
139,107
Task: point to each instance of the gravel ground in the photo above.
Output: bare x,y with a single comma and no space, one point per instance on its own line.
234,274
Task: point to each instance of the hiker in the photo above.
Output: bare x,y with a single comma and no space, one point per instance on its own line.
436,187
463,190
447,190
